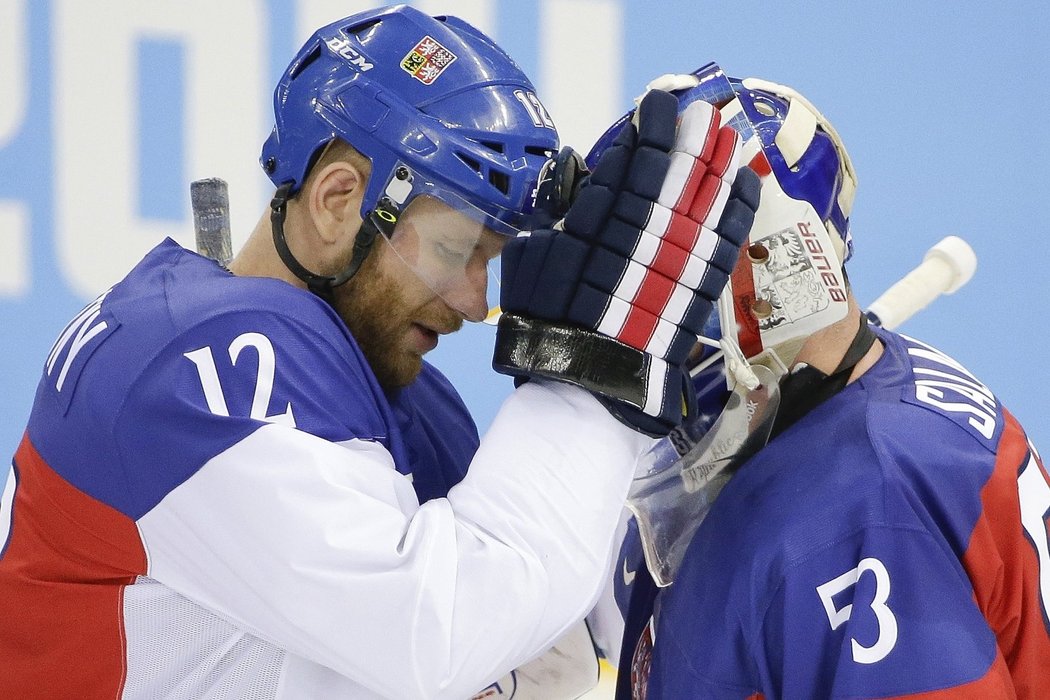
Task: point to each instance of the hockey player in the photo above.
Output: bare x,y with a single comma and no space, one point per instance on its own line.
883,533
237,484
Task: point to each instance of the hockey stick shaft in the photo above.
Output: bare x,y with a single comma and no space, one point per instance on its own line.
210,201
947,266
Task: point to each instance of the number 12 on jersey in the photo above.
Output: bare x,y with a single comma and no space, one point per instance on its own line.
213,393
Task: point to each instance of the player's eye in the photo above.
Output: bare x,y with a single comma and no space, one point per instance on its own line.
452,254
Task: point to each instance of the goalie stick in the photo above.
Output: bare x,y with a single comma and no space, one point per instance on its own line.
210,201
946,267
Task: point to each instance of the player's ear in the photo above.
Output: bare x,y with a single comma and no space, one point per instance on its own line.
335,200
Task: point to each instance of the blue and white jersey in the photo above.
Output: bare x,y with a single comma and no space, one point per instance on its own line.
214,499
892,543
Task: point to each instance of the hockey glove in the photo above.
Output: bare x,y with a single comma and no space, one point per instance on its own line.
612,298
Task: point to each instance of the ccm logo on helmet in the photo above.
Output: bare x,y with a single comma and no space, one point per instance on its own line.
352,55
828,273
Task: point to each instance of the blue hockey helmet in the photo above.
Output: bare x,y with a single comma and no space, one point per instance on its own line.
432,94
432,102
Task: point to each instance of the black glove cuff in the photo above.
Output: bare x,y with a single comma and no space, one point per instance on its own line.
536,348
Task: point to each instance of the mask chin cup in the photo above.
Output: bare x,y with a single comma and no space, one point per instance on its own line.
680,477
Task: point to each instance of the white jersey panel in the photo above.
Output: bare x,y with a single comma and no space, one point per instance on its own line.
326,554
161,628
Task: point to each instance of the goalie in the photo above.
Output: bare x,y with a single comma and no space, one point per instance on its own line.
854,514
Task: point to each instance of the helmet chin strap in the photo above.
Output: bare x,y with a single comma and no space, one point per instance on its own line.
806,387
321,285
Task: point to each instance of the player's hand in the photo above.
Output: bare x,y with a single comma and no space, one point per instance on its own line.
613,297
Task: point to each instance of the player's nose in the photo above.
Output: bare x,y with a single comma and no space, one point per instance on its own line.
468,295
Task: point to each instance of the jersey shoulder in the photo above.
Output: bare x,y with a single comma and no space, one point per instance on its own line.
925,389
909,444
173,290
181,360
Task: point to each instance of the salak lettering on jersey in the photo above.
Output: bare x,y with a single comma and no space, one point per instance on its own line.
949,387
829,274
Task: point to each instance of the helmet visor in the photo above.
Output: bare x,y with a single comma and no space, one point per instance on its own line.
448,244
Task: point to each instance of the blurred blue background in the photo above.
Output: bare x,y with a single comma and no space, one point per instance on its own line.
110,109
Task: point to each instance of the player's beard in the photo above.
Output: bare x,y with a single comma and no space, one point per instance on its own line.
378,309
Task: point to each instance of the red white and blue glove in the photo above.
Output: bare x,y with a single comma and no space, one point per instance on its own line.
613,297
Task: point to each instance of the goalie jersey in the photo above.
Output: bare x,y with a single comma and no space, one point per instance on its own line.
892,543
146,457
